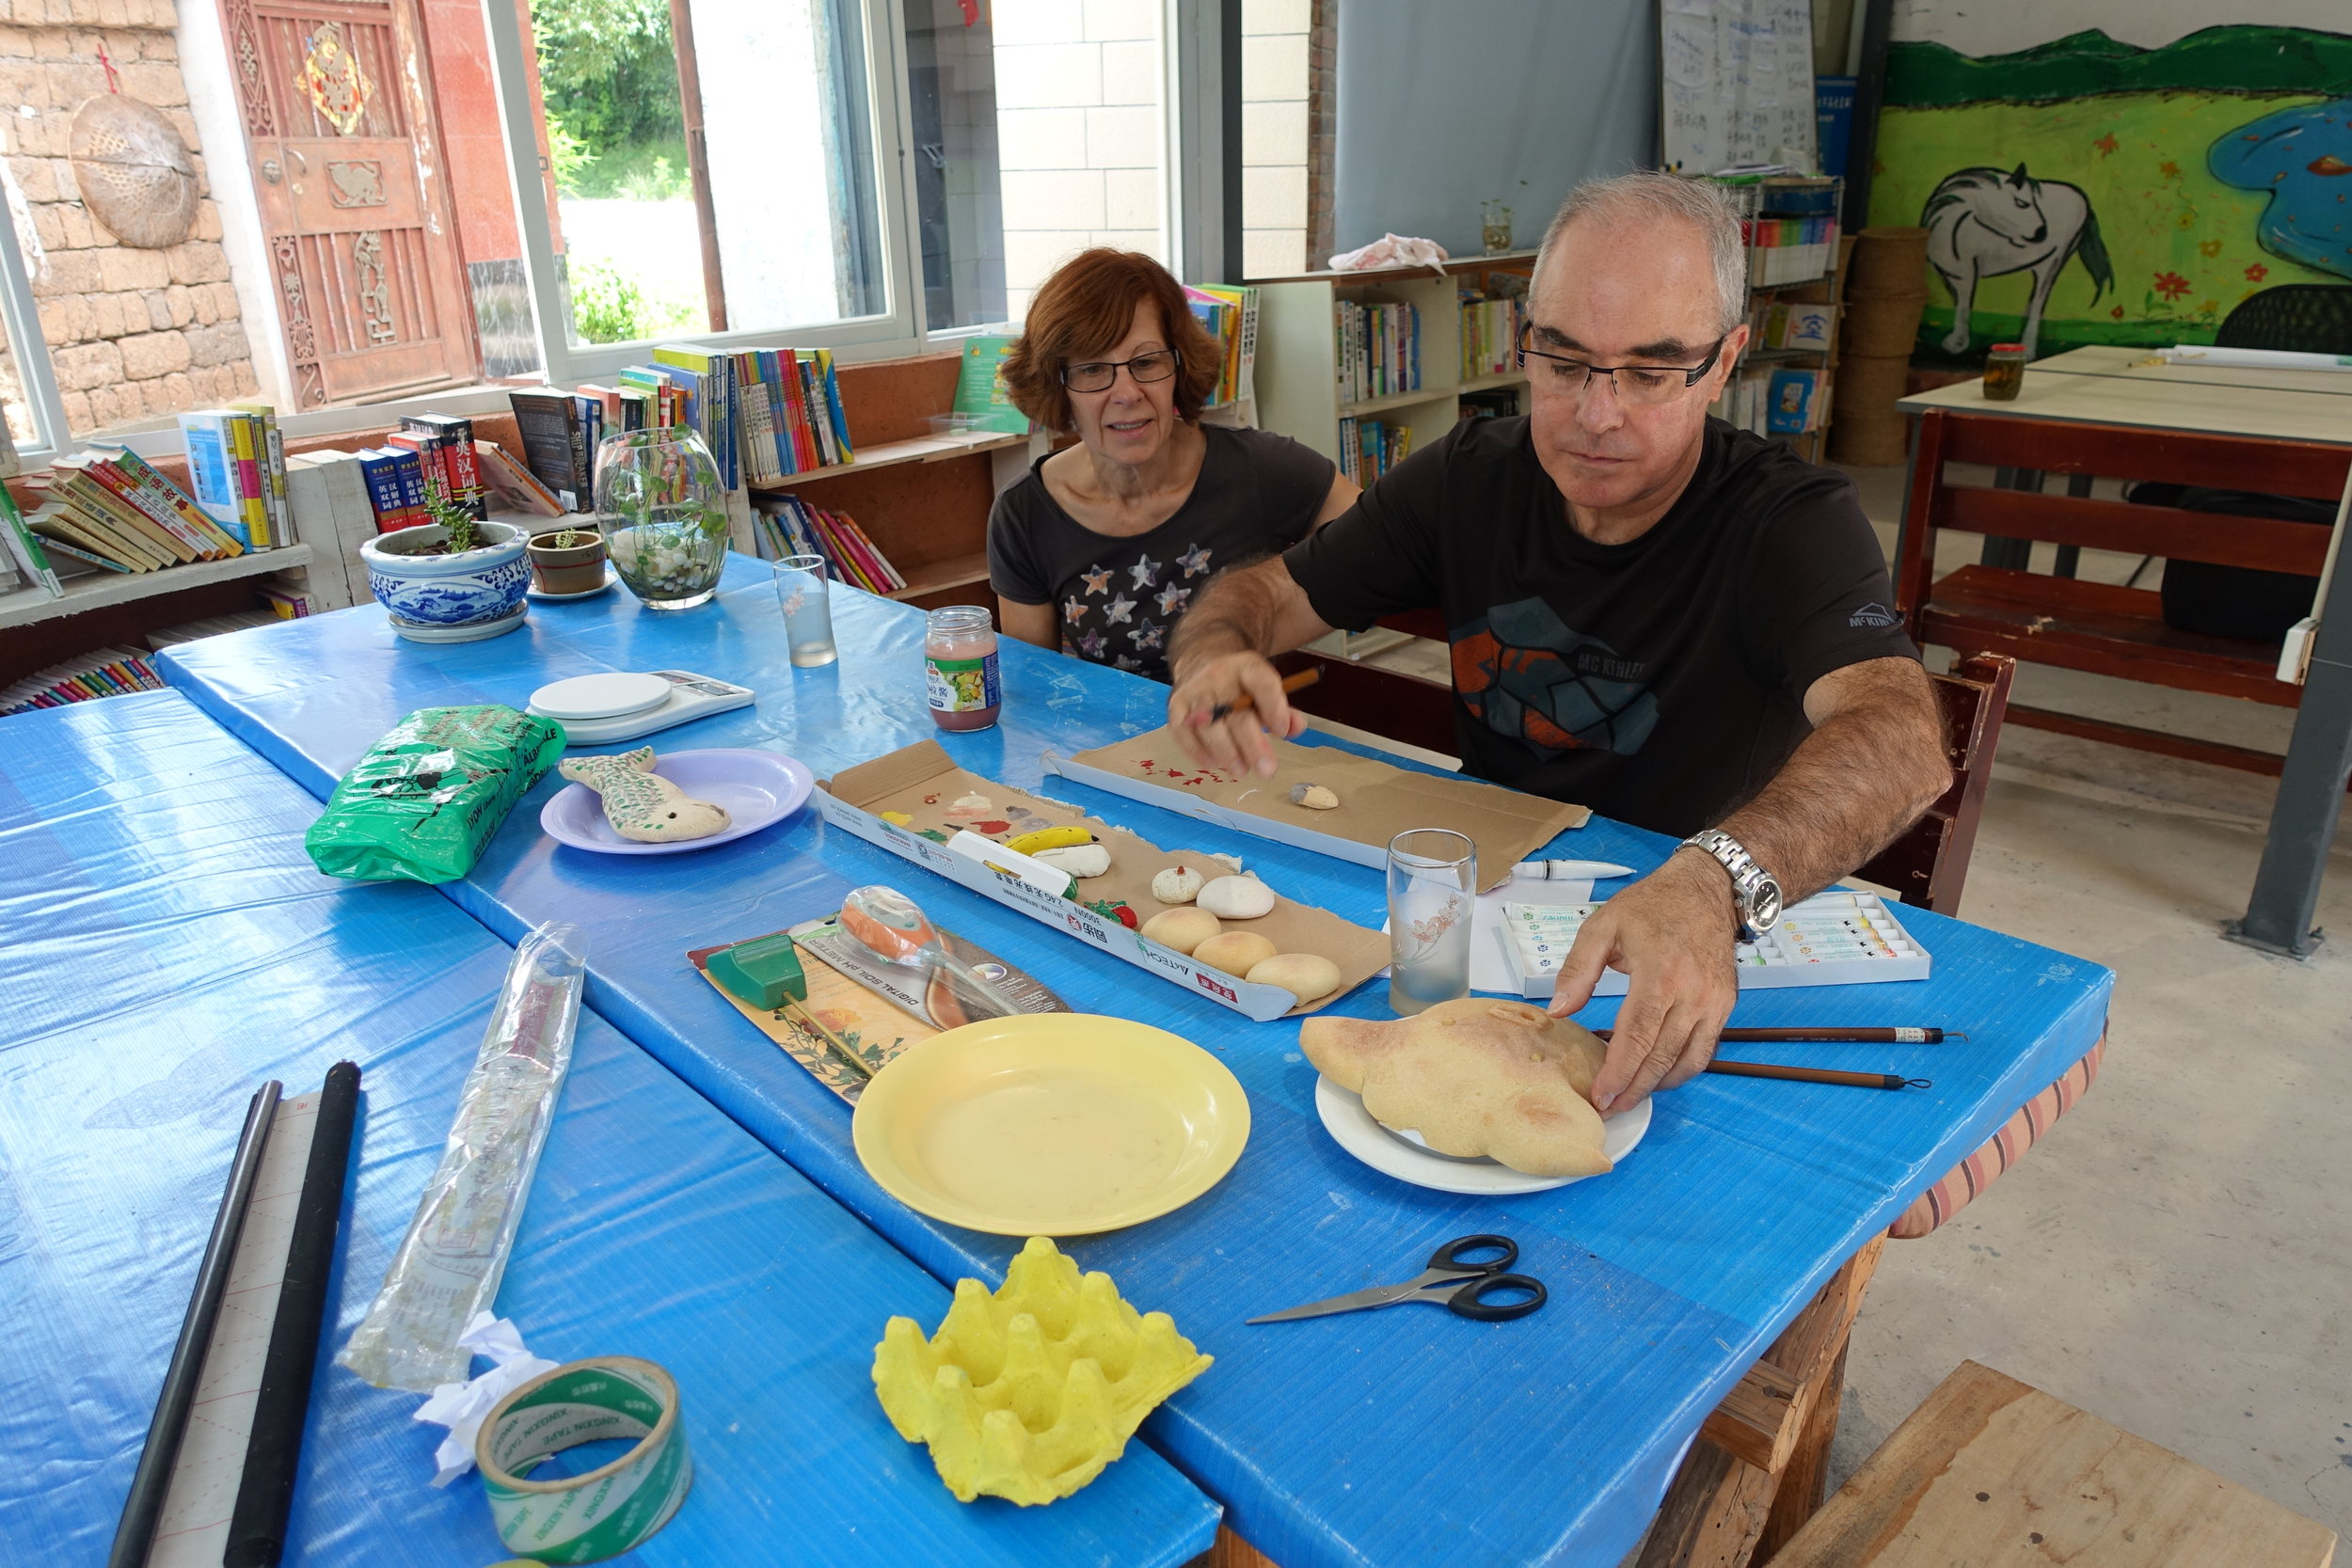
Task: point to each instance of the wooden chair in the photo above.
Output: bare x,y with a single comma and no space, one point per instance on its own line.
2098,626
1927,864
1991,1473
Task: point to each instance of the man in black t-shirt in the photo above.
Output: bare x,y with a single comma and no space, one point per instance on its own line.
1677,624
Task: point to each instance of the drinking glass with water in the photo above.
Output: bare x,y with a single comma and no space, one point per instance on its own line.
807,616
1433,880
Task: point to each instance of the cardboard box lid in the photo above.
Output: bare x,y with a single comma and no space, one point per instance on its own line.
1377,802
916,787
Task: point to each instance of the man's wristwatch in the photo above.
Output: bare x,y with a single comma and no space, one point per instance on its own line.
1751,887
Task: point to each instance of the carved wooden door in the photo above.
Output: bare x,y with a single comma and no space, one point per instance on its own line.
353,196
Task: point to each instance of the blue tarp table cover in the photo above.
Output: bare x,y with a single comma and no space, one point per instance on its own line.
167,948
1392,1438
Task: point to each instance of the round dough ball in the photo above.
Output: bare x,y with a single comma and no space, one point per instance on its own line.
1234,952
1184,929
1237,898
1178,884
1080,860
1305,975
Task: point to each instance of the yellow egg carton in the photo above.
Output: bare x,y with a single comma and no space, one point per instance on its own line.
1028,1392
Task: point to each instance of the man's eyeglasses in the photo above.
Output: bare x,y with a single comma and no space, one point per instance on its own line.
1096,375
1642,386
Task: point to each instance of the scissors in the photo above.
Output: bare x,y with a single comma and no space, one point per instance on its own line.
1452,1282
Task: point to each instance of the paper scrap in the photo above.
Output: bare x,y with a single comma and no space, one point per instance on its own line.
461,1406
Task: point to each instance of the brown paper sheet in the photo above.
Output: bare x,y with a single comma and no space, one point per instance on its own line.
1377,801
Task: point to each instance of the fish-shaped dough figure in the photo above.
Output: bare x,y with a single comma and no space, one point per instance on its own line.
641,804
1504,1079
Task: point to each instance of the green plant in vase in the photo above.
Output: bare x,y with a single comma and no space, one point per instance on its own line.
457,523
660,507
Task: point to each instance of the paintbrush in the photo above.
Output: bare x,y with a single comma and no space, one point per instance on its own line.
1243,703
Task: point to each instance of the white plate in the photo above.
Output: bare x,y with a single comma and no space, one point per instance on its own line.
610,577
1354,1130
756,788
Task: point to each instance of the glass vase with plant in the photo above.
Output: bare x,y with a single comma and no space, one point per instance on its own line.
662,513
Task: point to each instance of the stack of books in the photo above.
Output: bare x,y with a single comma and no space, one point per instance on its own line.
1230,315
1490,333
1379,348
789,526
237,470
1788,249
106,673
108,508
765,413
212,626
1368,449
1773,399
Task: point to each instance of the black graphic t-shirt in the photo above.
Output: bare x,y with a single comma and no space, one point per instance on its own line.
1118,600
1660,681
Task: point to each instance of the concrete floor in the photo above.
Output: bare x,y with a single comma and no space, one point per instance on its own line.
2173,1256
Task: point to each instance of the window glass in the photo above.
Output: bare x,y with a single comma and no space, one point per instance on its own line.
792,232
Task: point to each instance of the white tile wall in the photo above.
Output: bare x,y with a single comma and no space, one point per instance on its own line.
1274,137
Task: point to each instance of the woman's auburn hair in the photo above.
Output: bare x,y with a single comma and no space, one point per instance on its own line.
1083,311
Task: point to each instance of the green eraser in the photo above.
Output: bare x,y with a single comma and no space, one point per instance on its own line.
764,972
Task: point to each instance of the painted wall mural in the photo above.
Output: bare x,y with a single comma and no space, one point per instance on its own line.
2085,189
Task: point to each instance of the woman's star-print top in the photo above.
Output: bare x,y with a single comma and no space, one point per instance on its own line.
1118,600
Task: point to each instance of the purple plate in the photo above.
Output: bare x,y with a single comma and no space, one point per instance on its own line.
756,788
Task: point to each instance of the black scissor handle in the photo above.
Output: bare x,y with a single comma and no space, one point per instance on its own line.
1470,1300
1450,1255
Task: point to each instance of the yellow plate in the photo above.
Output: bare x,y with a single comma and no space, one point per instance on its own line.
1051,1124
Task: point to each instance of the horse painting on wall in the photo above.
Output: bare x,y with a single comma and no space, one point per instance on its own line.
2143,182
1982,223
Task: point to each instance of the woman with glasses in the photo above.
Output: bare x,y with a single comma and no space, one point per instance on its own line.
1104,544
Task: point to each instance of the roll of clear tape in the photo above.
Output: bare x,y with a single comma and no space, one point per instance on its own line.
611,1509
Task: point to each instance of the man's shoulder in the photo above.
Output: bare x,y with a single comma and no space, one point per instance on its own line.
1486,440
1766,479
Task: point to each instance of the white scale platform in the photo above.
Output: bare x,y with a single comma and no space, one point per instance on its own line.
596,710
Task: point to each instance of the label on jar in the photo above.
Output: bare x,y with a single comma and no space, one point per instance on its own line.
960,685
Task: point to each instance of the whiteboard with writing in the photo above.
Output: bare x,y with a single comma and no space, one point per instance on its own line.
1736,82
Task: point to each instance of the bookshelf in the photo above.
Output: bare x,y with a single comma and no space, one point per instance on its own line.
922,498
99,589
1298,380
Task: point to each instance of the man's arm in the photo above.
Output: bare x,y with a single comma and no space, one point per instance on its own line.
1221,648
1873,763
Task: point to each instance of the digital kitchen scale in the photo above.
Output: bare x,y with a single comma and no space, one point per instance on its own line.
595,710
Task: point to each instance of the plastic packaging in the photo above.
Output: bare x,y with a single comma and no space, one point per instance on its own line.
428,795
449,1263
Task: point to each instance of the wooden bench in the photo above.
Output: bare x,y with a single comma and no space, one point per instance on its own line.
2100,627
1991,1473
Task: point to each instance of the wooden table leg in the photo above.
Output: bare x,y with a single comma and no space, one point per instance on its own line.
1754,1475
1230,1551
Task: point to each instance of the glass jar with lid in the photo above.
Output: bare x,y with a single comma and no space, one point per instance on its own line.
960,667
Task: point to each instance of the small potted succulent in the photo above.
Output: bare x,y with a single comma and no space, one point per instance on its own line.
567,560
450,579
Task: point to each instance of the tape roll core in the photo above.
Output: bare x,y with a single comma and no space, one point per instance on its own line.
611,1509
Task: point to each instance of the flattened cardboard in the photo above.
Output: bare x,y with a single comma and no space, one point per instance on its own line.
890,802
1377,801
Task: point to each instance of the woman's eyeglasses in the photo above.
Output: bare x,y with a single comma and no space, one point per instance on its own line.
1096,375
1644,385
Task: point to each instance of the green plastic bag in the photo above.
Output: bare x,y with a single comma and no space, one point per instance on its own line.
428,795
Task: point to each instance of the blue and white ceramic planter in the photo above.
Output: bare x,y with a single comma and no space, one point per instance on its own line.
447,591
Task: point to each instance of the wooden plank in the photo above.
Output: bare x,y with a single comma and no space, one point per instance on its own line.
2097,626
1713,1515
1761,1419
1990,1472
2289,467
1230,1551
2074,402
1805,1481
2266,544
2163,742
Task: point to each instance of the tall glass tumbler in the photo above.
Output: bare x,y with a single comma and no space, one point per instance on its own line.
1433,880
801,594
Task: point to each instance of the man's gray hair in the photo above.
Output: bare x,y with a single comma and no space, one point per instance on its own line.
1647,193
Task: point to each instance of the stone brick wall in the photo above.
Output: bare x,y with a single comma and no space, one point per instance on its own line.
134,334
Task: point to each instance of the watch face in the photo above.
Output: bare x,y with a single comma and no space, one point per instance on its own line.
1767,906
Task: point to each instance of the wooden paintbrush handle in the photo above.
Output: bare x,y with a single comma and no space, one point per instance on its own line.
1243,703
1819,1076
